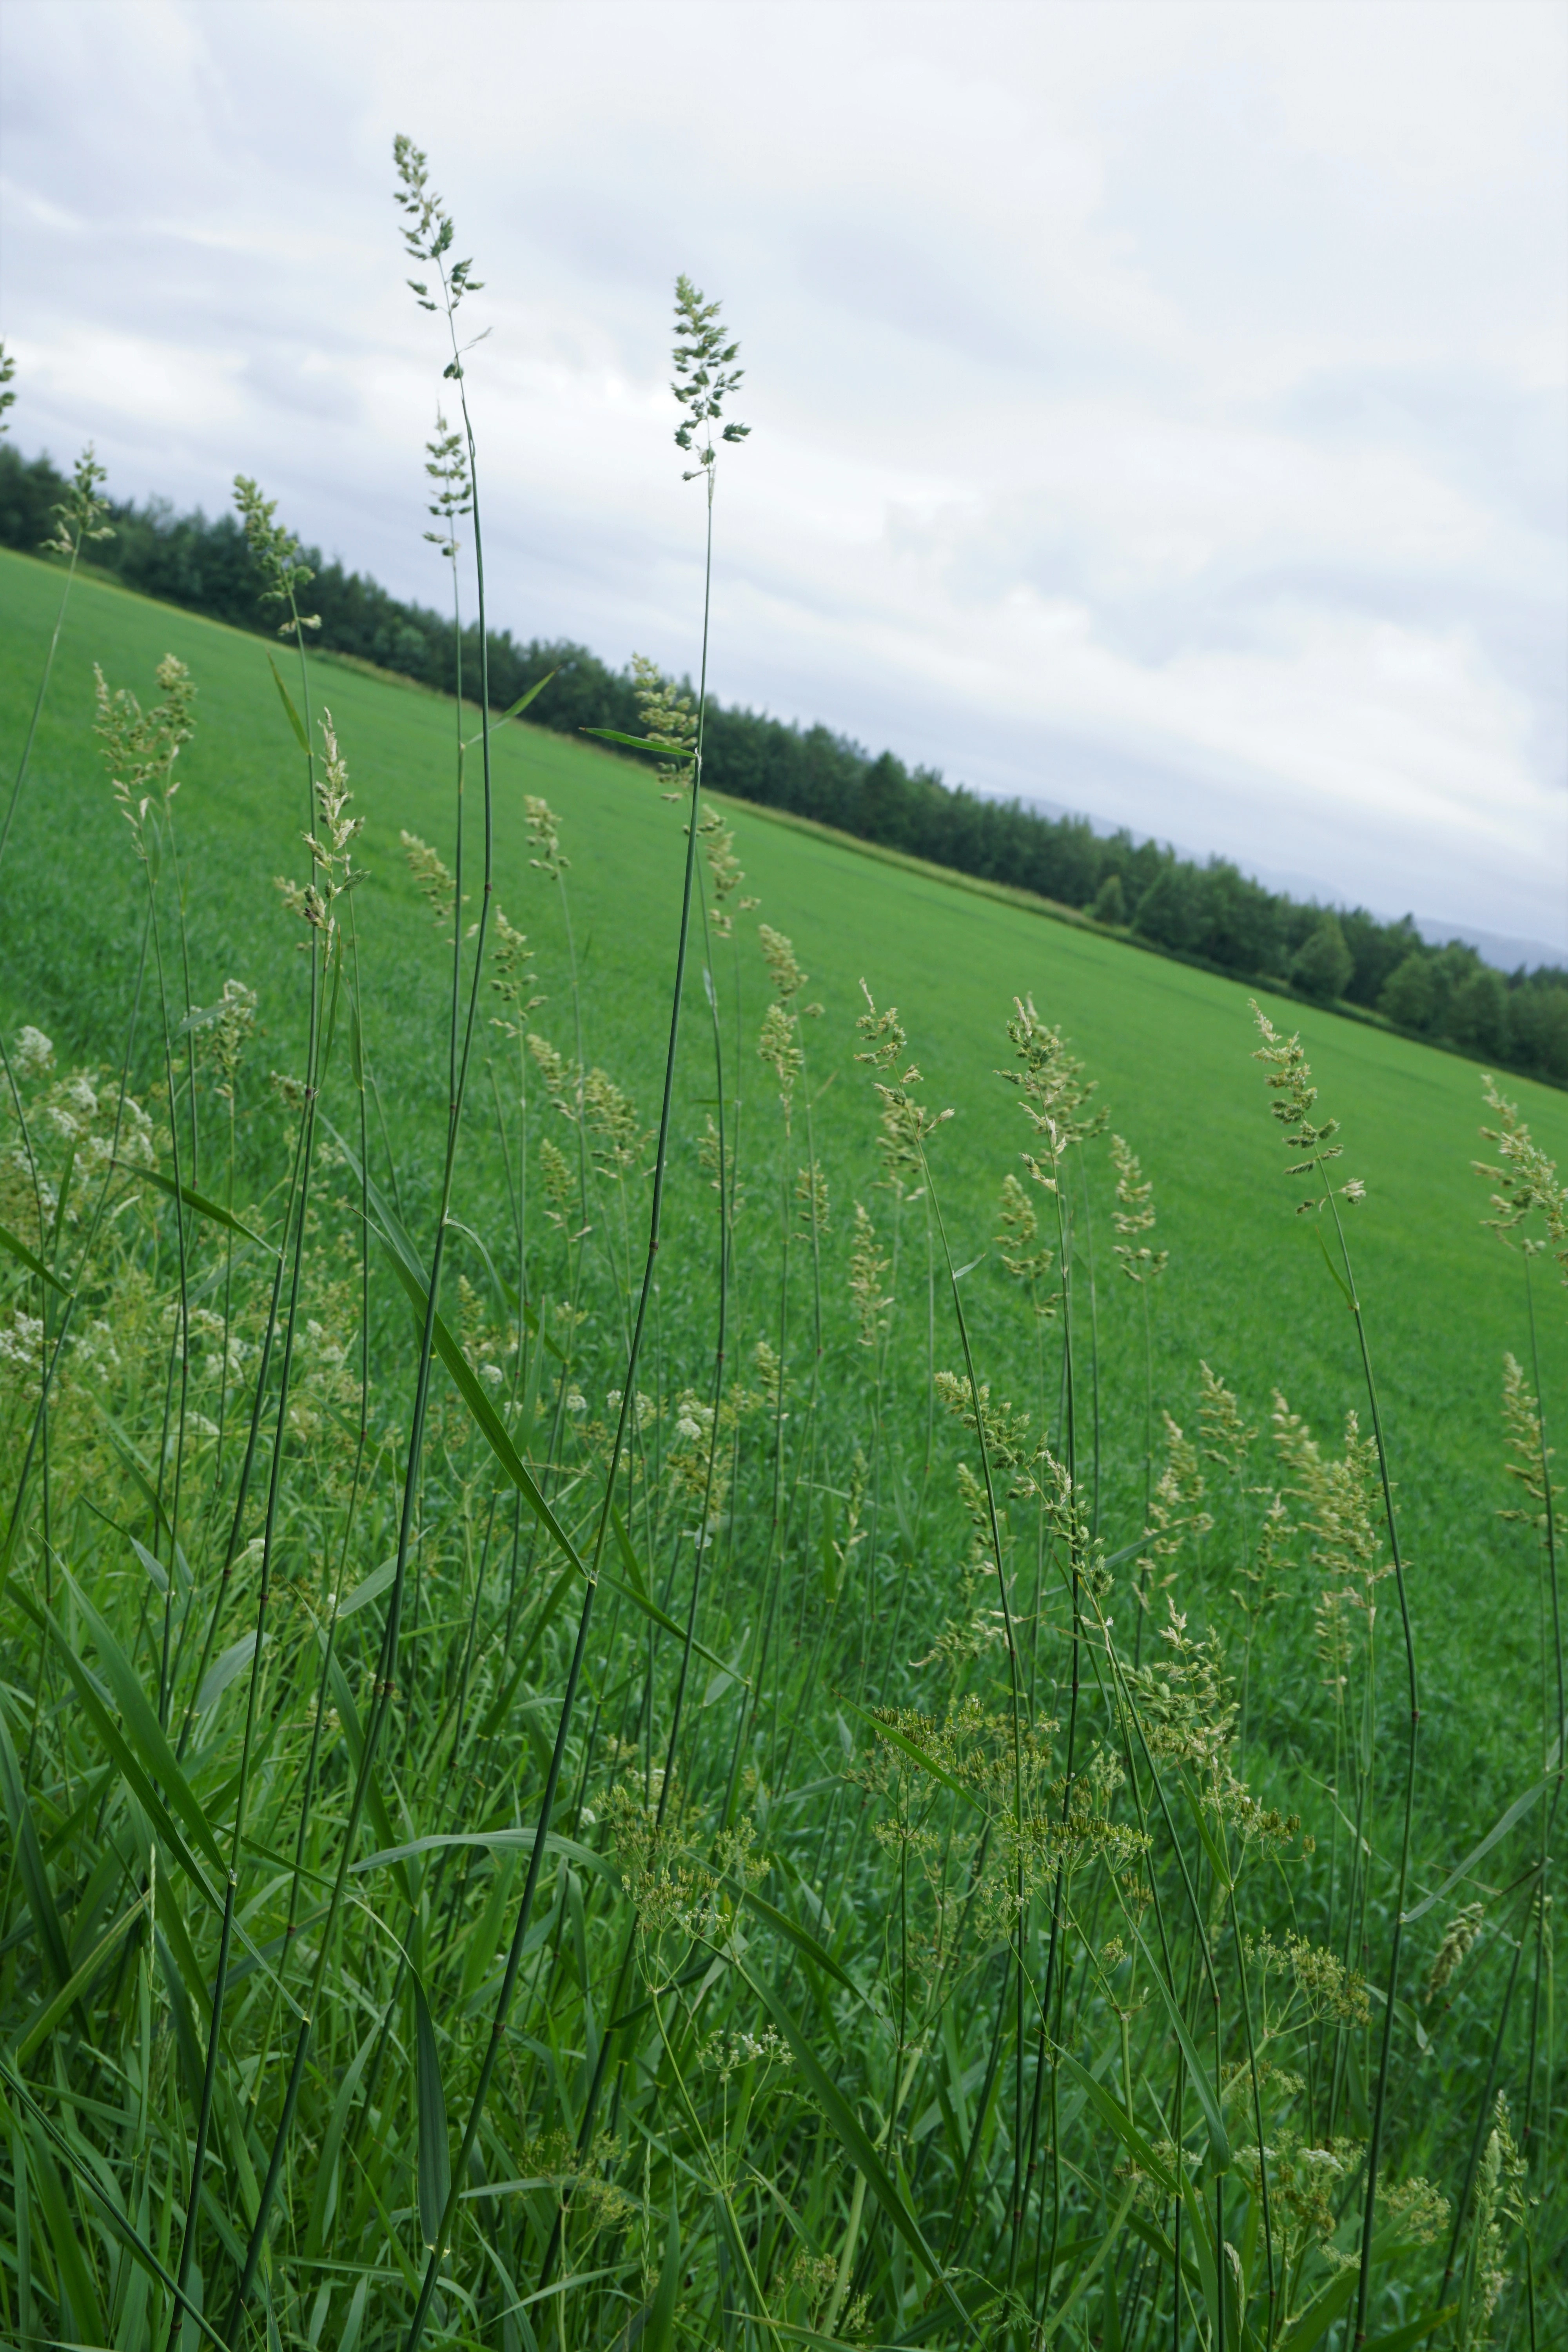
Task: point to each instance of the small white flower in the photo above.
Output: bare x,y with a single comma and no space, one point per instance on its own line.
493,1373
576,1401
688,1429
34,1050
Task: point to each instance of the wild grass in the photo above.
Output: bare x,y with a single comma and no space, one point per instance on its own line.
642,1700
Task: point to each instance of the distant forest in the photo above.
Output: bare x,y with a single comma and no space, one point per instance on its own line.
1210,914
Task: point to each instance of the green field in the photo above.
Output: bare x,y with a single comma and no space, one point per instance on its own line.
1246,1291
1170,1048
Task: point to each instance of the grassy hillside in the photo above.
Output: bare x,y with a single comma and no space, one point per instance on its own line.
1170,1048
931,1946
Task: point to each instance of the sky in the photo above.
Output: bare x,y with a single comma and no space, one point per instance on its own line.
1159,411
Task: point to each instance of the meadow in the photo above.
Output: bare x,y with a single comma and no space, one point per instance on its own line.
889,1825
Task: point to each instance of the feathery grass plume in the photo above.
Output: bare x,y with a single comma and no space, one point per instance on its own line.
778,1045
510,976
433,878
706,375
725,873
778,954
670,723
906,1125
1226,1437
1134,1214
1290,1078
1054,1090
1338,1503
867,1268
141,747
1459,1936
1526,1181
331,847
223,1031
1531,1465
428,235
80,518
811,1199
1015,1244
544,838
610,1115
447,463
1176,1508
1500,2199
276,552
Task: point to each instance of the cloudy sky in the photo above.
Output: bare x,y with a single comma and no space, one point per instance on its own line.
1159,409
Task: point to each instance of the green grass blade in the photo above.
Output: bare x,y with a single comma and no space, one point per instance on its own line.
660,2326
141,1786
1500,1829
295,721
435,2164
1414,2331
18,1249
47,1920
144,1731
45,2128
215,1210
916,1754
801,1937
1118,2120
49,2016
501,1840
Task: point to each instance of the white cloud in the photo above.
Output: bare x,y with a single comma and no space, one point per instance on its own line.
1158,405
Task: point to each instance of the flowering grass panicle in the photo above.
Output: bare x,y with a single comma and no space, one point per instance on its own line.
277,553
1527,1181
706,375
1134,1215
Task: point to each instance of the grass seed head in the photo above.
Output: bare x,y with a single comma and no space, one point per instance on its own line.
427,231
1291,1080
80,517
277,554
705,377
1526,1181
1459,1936
1133,1215
447,463
544,838
866,1266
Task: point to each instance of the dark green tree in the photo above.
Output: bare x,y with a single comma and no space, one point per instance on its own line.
1168,912
1409,994
1322,964
1111,901
1478,1012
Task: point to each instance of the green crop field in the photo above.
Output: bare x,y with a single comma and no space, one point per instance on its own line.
1170,1048
973,2135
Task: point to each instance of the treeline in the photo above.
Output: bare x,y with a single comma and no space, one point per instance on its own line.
1212,913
